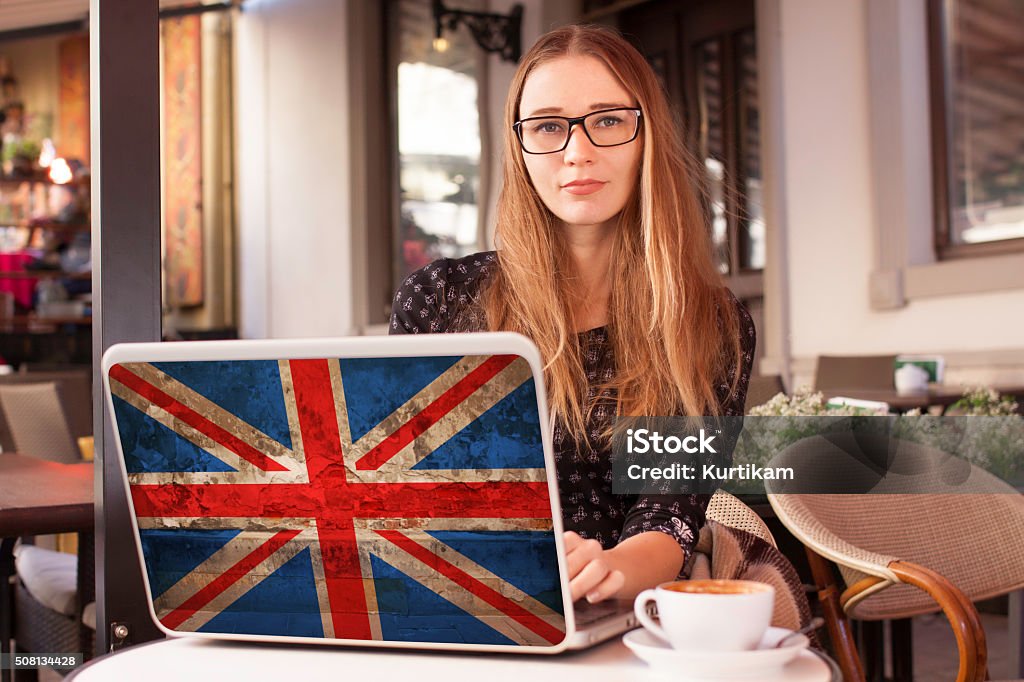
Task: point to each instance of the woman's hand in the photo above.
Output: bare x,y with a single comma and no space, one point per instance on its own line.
591,574
642,561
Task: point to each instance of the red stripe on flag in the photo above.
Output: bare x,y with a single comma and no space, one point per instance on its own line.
343,575
338,503
194,419
216,587
434,412
499,601
316,408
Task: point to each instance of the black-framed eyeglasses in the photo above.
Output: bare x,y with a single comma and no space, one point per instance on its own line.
604,128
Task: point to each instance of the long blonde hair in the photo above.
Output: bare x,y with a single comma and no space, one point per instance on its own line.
673,326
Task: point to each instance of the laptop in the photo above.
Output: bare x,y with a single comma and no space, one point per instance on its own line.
374,491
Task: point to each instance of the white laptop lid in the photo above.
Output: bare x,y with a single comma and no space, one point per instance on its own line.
389,491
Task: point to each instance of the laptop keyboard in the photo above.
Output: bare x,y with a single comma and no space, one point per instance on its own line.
587,613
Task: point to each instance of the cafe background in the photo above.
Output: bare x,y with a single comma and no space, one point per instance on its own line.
864,168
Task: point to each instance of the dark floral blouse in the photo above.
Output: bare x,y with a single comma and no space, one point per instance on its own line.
440,298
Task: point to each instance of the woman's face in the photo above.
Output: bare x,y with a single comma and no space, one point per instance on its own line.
582,184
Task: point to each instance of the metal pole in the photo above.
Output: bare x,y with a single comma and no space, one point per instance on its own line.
125,136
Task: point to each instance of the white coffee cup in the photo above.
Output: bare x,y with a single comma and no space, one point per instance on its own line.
910,379
709,615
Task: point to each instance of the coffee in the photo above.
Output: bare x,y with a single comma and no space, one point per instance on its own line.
717,587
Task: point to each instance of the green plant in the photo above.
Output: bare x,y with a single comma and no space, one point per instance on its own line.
804,403
982,401
982,427
21,149
996,442
773,426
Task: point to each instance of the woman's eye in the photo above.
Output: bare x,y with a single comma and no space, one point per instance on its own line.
608,122
548,127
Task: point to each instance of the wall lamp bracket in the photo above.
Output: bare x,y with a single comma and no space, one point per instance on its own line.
498,33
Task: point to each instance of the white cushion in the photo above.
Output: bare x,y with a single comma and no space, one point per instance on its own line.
51,577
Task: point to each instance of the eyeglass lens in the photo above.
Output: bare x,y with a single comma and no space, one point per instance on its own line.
605,129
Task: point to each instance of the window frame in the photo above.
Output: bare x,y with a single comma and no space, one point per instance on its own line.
743,281
939,31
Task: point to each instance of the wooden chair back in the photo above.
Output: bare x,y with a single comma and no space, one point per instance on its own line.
763,388
855,371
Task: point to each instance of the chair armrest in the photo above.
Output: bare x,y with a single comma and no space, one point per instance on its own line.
963,617
859,588
792,511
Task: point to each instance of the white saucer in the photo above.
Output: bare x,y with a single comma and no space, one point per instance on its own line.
762,662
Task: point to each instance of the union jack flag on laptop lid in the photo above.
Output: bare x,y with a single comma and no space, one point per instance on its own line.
394,499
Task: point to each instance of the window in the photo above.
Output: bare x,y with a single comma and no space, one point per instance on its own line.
438,139
729,145
977,79
705,53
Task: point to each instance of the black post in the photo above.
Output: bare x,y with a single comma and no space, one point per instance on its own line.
125,131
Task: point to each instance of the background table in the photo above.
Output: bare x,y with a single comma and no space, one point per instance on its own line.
943,396
37,497
199,659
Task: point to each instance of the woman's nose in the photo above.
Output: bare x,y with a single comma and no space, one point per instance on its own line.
579,148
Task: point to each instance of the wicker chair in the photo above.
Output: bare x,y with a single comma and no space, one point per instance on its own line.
736,544
37,421
940,535
38,425
729,510
38,628
74,386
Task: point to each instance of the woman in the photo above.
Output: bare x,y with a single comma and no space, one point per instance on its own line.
604,261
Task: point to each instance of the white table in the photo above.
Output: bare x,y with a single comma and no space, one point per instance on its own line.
173,660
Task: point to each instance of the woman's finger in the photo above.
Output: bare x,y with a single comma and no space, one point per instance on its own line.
607,588
584,553
588,579
571,540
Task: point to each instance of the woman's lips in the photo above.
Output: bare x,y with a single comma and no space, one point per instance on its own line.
583,187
